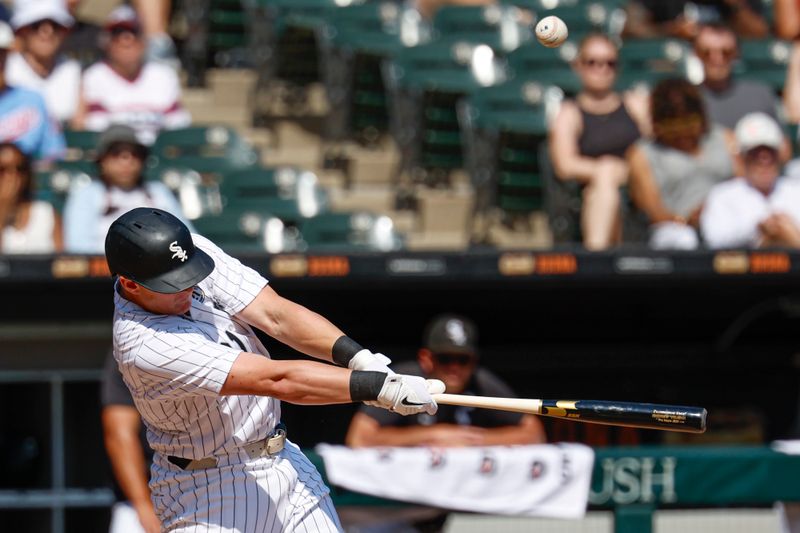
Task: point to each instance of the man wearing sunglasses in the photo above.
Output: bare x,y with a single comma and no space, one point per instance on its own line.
450,354
759,208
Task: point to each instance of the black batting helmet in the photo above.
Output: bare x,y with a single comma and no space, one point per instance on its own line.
155,249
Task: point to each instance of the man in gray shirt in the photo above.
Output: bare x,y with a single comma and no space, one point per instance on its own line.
728,99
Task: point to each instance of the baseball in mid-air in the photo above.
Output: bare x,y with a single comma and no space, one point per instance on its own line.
551,31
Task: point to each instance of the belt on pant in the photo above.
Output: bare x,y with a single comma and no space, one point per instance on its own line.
270,446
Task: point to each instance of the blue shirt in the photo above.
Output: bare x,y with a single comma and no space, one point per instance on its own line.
25,122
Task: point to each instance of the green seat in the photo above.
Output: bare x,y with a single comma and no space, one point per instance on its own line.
285,192
503,127
425,84
764,60
539,62
243,231
353,43
81,151
504,27
348,232
665,56
206,149
54,186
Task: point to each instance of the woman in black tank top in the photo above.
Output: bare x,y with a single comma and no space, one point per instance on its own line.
589,138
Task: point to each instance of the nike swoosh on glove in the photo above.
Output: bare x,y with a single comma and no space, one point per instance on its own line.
375,362
409,395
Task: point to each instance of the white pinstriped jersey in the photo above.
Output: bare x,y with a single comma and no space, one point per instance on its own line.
175,366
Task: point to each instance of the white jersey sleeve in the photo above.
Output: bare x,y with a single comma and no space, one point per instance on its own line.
181,361
231,285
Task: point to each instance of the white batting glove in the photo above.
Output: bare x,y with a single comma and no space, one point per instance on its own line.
409,395
366,360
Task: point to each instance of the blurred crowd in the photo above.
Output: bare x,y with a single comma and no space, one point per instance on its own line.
708,164
702,164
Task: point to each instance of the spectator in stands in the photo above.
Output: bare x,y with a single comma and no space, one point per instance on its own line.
29,226
127,89
130,456
672,173
90,209
450,354
41,27
727,99
82,42
590,135
683,18
786,14
23,116
760,208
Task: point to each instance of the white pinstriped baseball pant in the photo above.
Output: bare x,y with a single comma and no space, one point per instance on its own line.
242,495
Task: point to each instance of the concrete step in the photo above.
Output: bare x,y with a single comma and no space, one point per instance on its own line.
532,233
369,198
444,210
231,87
436,241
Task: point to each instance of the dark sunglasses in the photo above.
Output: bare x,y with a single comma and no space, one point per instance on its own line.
599,63
706,53
453,359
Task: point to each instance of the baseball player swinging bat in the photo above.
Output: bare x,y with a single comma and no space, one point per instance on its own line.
631,414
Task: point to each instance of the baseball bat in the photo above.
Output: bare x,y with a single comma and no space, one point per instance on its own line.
631,414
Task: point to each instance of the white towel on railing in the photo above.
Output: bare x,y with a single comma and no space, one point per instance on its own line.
537,480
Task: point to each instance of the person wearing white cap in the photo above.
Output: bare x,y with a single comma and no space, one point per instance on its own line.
760,208
127,89
24,119
41,27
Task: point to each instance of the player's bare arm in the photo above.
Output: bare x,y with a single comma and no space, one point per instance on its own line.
308,332
312,383
292,324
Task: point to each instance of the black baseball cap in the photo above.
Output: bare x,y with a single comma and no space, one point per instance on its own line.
155,249
451,334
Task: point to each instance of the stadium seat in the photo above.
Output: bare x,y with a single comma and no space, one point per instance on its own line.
54,186
248,231
425,83
655,56
348,232
765,60
205,149
81,151
503,127
503,27
283,45
547,65
286,192
353,42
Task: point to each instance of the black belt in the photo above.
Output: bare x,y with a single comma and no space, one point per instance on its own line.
270,446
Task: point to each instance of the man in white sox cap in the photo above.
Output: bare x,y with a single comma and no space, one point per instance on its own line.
208,392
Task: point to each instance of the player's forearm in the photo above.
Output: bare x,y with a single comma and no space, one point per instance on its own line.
292,324
301,382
